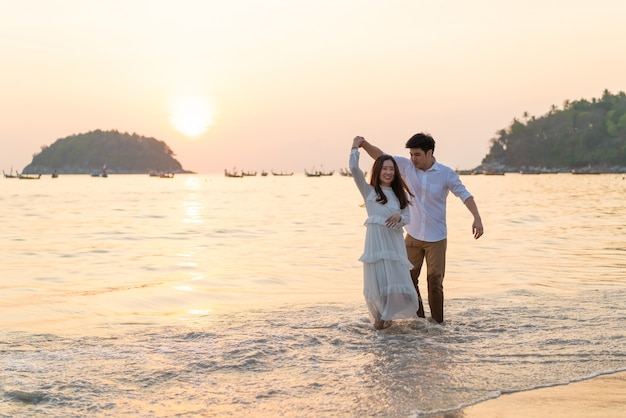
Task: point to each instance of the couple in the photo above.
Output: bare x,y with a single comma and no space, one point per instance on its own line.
410,193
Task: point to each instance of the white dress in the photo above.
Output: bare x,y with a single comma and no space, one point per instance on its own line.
387,286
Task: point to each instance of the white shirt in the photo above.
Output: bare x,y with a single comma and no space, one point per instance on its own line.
431,188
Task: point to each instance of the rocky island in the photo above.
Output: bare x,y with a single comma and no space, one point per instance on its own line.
121,153
583,136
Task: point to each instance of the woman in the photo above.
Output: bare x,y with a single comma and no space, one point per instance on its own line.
387,285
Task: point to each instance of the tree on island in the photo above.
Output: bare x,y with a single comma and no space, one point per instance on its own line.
121,152
583,133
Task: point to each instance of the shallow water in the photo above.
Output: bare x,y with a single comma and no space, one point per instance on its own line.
212,296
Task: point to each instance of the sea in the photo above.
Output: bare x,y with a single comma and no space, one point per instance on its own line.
208,296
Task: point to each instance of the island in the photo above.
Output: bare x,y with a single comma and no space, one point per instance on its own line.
584,136
120,153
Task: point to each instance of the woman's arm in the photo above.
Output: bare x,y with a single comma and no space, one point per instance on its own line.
357,174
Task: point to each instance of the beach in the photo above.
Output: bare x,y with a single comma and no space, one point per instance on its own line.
600,397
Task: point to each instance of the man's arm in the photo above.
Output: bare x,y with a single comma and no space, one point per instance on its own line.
477,225
371,150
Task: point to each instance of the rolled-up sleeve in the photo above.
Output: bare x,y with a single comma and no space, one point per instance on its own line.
457,188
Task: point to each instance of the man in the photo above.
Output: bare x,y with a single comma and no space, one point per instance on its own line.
426,238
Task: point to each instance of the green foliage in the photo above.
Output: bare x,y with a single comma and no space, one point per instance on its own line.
121,152
582,133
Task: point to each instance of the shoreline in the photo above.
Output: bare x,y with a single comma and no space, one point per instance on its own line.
597,397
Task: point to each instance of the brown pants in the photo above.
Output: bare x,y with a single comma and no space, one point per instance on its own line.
435,255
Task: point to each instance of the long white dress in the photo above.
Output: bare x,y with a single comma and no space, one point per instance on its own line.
387,286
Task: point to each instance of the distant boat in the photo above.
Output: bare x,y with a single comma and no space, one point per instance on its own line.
161,175
345,172
280,173
318,173
103,173
493,173
232,174
466,172
30,176
264,173
11,175
55,174
248,173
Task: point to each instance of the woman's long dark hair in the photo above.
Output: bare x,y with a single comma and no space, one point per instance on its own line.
398,185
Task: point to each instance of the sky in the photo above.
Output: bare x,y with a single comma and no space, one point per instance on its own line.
286,84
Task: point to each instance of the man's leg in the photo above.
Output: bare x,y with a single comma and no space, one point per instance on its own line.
436,268
415,252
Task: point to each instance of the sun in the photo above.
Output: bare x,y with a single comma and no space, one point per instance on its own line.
192,115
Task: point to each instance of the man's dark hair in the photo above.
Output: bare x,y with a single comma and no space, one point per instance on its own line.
422,141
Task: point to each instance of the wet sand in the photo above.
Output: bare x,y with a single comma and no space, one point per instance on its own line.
600,397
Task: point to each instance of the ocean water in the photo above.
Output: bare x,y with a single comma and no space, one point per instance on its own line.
210,296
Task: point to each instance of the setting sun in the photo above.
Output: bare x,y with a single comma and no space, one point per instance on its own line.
192,115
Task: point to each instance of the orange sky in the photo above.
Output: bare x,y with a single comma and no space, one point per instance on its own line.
287,84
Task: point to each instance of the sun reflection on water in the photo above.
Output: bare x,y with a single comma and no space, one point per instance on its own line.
193,207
